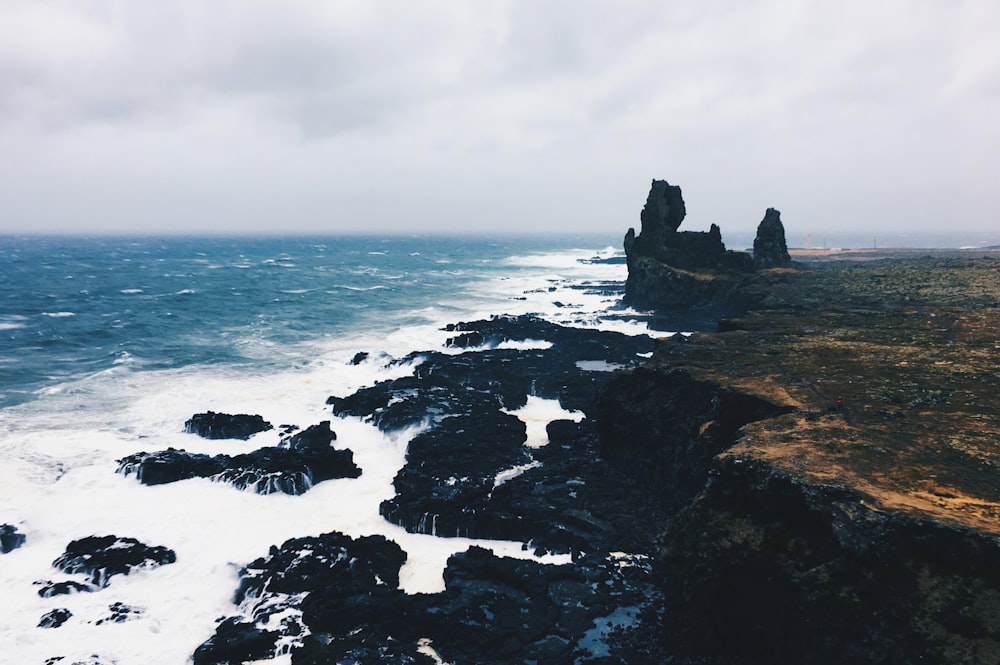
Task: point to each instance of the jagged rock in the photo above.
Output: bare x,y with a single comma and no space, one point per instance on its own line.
763,567
50,588
236,642
55,618
462,474
339,599
299,462
120,613
671,269
102,557
769,247
663,427
213,425
10,539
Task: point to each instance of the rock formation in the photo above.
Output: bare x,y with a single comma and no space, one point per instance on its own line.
10,539
212,425
769,247
671,269
293,467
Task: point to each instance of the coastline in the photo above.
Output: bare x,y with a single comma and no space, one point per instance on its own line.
861,524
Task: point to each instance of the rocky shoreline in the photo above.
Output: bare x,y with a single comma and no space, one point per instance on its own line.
812,476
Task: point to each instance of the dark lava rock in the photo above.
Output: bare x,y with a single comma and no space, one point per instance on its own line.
213,425
445,491
236,642
120,613
102,557
769,247
493,610
10,539
765,568
299,462
55,618
663,427
50,588
456,480
671,269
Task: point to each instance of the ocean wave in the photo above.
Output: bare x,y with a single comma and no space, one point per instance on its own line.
58,315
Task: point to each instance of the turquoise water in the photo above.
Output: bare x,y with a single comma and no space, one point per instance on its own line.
71,306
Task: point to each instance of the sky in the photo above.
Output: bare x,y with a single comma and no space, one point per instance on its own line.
383,116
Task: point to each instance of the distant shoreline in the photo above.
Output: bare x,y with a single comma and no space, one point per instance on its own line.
871,254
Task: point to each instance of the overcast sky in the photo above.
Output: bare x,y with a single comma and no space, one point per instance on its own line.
412,116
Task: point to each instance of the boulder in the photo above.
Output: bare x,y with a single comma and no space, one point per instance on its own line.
293,467
10,539
55,618
100,558
211,425
769,247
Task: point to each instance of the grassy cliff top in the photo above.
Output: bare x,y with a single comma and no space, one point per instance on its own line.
911,345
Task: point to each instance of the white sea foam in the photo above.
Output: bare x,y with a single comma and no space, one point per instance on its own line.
58,454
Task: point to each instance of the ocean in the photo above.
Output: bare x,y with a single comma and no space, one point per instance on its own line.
109,344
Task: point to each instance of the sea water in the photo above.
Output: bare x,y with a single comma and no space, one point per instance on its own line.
108,345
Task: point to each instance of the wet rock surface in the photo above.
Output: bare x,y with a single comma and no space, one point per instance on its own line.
335,599
10,538
99,558
293,467
211,425
470,474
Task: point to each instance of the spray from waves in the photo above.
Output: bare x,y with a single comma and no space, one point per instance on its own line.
58,451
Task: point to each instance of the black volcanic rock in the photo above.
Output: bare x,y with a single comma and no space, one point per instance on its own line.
100,558
468,473
299,462
671,269
55,618
212,425
10,539
338,601
236,642
50,588
769,247
664,427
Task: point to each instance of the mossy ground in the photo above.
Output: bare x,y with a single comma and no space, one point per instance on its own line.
910,345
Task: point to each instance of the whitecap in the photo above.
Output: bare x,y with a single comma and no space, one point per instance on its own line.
58,315
131,291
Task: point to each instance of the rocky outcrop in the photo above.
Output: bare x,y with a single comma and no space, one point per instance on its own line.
293,467
671,269
211,425
10,539
857,521
469,473
55,618
332,598
99,558
769,247
764,568
664,428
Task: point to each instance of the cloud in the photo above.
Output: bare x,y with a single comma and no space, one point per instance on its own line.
236,114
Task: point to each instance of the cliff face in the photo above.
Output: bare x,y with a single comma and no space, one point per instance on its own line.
765,567
833,459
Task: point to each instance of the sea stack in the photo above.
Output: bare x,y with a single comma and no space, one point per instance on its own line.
769,247
672,269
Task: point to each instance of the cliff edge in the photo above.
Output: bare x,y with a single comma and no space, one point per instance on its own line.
835,469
